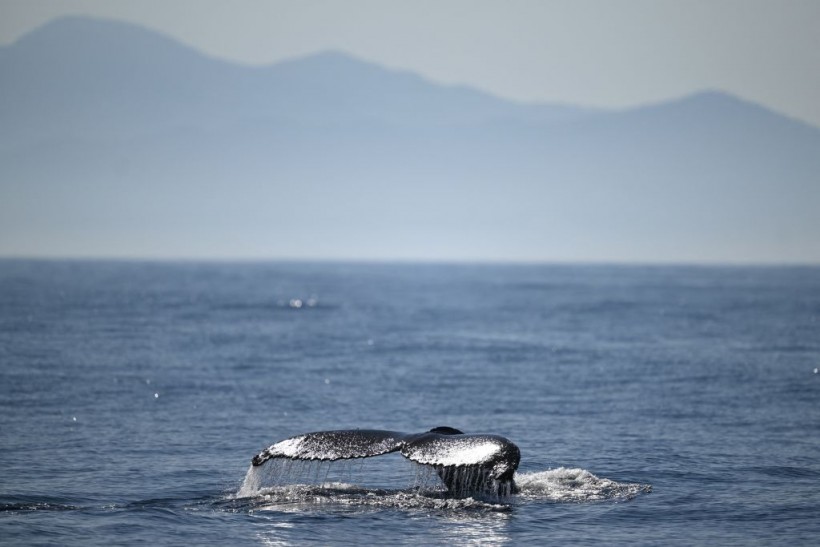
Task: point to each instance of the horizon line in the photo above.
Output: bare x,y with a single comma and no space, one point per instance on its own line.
419,261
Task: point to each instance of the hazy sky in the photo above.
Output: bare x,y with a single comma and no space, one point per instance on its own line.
596,53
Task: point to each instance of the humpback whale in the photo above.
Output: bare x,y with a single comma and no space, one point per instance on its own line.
466,464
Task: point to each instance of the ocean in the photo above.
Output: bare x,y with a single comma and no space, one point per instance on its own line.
651,404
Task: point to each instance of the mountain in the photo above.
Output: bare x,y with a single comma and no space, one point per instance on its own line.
89,76
117,141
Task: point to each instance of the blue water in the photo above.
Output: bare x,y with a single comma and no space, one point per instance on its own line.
652,405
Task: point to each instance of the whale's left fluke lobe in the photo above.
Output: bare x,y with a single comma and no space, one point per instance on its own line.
334,445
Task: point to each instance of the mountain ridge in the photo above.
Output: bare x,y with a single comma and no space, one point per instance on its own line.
58,37
234,90
161,150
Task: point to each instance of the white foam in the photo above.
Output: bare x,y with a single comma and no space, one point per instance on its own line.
298,497
574,484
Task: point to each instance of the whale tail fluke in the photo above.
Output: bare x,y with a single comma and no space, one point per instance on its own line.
465,463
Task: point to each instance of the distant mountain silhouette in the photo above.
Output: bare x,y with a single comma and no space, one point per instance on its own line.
117,141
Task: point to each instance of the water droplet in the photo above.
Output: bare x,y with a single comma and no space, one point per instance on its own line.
295,303
816,370
327,380
156,395
73,418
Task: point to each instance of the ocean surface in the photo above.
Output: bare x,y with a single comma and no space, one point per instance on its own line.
652,405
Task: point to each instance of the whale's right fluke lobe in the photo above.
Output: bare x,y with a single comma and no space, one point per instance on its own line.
468,463
334,445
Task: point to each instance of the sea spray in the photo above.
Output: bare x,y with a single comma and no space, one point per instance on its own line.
284,472
252,483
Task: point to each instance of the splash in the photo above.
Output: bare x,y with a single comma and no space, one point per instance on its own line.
292,484
252,484
297,498
575,485
285,472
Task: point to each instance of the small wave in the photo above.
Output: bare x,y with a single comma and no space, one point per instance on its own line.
787,472
575,485
35,504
